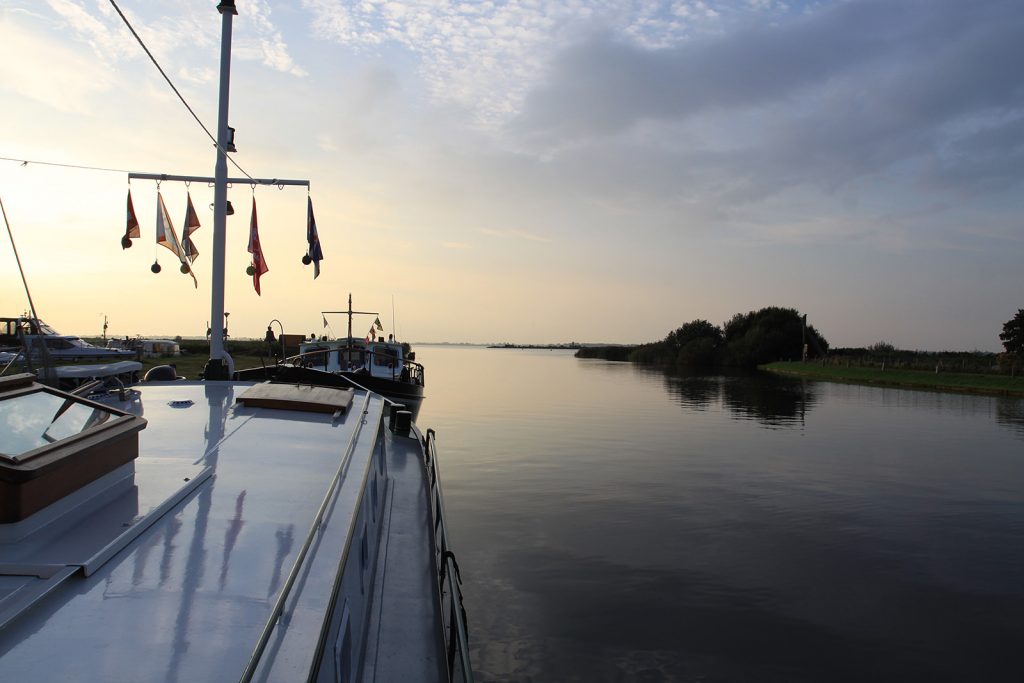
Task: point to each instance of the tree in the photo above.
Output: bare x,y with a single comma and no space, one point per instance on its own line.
1013,335
695,344
768,335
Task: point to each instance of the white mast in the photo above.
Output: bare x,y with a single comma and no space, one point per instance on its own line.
215,368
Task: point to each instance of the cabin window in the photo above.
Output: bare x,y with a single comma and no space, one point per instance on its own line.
364,556
343,664
385,357
315,357
373,497
37,419
353,357
58,344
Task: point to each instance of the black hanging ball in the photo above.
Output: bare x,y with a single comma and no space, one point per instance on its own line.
306,260
126,242
251,270
155,267
184,269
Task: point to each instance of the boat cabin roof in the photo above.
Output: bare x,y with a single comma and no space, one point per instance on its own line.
169,567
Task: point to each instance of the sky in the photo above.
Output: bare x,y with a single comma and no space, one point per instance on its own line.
534,172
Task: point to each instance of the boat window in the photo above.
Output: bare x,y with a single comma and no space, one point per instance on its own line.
343,663
58,344
31,421
385,356
353,357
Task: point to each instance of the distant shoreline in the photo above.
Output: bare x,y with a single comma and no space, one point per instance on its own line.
572,346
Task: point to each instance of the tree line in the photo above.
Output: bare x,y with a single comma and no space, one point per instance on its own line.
773,334
746,340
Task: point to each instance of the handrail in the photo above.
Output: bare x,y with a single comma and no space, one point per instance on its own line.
278,610
448,570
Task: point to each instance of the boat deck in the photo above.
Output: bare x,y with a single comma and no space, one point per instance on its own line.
174,571
405,630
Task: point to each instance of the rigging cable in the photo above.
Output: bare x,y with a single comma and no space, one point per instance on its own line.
26,162
31,305
180,97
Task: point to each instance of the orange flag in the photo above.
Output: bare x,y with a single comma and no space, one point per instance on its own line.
131,231
190,226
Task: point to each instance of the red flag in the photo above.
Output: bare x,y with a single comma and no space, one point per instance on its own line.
259,265
190,226
166,236
131,231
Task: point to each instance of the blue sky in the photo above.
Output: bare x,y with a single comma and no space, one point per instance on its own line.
537,171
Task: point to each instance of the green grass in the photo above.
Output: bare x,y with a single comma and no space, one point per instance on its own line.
942,381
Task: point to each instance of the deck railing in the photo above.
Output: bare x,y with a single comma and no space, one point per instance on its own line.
453,614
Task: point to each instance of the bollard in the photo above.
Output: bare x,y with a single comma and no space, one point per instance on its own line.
393,414
403,422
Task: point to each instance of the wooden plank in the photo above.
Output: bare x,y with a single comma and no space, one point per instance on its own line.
298,397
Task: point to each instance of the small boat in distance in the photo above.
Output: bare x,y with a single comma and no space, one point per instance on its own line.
385,366
146,348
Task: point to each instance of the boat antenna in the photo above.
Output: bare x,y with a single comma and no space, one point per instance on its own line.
24,281
394,328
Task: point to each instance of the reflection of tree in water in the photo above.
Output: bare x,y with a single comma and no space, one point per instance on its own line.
769,399
1010,413
772,400
696,392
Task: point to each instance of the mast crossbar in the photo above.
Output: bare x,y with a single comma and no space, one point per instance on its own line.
204,179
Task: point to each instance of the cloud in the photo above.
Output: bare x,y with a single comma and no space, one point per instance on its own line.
268,46
926,90
61,84
518,234
484,57
456,245
604,85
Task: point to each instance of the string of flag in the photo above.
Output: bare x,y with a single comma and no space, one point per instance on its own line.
376,326
187,252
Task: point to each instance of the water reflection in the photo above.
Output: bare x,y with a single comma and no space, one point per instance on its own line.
1010,414
773,401
616,523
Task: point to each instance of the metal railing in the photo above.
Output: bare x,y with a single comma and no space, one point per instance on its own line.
282,598
453,614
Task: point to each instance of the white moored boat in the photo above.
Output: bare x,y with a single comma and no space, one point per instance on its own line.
42,341
387,367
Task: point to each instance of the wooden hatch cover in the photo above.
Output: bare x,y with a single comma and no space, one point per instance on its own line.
298,397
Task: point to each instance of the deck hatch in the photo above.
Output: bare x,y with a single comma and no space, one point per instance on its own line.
306,397
53,443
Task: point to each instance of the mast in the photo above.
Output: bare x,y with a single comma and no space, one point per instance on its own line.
350,313
215,368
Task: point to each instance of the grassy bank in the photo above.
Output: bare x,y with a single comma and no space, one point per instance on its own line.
1002,385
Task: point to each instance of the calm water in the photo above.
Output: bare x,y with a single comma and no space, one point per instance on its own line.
616,524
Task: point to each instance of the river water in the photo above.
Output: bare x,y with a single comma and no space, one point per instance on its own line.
614,523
